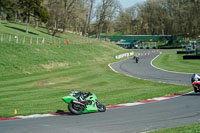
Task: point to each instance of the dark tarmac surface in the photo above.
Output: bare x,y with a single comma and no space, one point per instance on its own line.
134,119
144,69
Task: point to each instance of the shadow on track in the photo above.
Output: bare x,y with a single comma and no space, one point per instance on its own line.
192,94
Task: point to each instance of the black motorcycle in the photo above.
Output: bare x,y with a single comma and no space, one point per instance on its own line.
136,58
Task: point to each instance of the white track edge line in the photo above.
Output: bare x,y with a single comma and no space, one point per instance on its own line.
146,79
165,69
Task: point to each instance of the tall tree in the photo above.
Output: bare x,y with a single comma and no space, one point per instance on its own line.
174,17
32,8
127,20
105,9
8,8
89,5
56,14
69,6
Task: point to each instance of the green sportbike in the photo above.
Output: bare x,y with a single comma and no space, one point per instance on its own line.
83,102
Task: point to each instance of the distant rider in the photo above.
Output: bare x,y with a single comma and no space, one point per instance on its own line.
136,58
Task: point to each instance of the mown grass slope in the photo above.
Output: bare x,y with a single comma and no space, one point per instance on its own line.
34,78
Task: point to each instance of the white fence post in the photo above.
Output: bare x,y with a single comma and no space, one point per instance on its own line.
1,37
24,40
43,41
16,39
9,38
37,41
31,41
59,43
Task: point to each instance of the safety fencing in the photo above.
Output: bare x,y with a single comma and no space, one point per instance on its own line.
148,44
28,40
124,55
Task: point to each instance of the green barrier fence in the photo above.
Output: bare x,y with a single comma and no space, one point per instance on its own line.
150,38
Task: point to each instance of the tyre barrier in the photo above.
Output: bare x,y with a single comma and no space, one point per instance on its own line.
124,55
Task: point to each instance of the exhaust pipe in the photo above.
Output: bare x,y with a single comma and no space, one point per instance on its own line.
77,102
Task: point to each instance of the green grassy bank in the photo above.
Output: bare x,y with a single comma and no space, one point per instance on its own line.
174,62
34,77
195,128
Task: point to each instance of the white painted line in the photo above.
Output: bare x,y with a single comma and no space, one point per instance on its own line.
145,101
164,69
141,78
112,68
160,98
109,107
132,104
35,116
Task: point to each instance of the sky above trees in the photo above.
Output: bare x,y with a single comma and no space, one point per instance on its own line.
129,3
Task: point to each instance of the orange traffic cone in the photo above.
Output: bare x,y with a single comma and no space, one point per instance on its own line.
15,111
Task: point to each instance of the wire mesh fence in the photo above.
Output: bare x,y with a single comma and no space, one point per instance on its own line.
27,40
198,48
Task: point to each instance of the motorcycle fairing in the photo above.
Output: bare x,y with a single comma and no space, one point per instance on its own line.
68,99
93,107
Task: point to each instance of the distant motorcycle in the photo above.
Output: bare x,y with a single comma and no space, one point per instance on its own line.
196,82
83,102
136,58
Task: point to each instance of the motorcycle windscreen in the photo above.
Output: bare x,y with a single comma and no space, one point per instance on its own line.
68,99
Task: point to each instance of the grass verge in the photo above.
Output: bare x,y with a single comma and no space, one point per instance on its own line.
195,128
171,61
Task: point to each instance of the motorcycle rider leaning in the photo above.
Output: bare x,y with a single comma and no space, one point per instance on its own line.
81,95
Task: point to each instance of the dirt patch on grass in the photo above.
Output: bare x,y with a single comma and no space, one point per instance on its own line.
56,81
43,83
26,72
55,65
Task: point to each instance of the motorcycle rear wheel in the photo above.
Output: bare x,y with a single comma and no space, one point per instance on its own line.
75,109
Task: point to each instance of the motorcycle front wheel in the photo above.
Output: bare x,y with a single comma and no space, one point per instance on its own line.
75,109
101,107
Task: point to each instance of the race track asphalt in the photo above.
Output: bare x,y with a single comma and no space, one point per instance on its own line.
145,70
174,112
134,119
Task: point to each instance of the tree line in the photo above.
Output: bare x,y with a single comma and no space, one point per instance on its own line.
162,17
93,17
